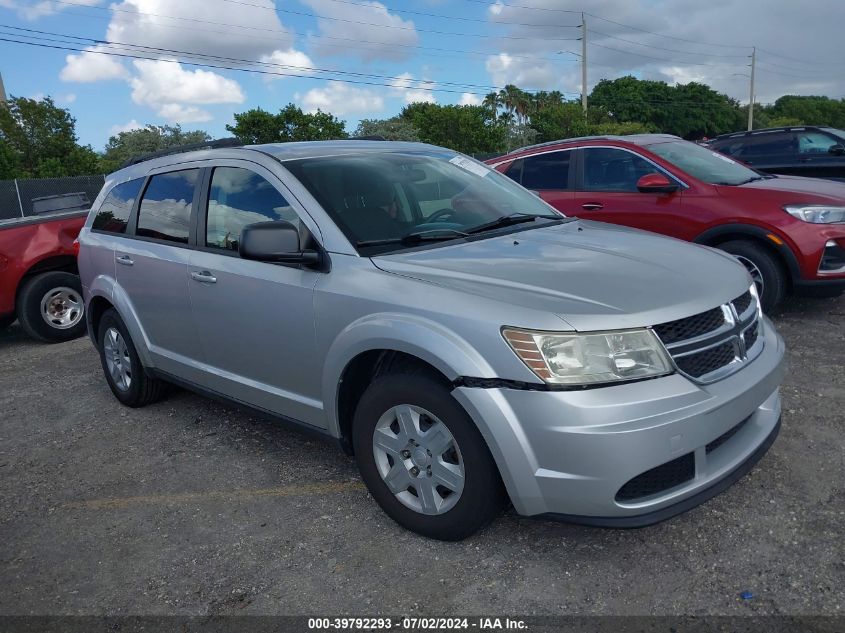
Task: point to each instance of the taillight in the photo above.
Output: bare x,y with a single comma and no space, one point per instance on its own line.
75,247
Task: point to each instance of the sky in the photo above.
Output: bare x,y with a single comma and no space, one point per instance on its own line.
367,59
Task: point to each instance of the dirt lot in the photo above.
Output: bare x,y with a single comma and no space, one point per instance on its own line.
190,507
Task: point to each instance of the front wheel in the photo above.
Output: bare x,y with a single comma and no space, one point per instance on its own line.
423,459
765,270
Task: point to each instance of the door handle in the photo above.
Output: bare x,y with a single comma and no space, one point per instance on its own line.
592,206
124,260
204,277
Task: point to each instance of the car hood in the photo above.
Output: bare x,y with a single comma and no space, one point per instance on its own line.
594,276
808,189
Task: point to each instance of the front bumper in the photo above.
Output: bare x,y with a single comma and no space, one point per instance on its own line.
568,453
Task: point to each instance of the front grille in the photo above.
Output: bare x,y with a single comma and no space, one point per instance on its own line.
709,360
742,302
659,479
691,327
750,335
724,437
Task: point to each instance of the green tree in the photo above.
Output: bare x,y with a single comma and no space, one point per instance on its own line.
290,124
40,140
559,121
9,162
146,140
393,129
467,129
809,110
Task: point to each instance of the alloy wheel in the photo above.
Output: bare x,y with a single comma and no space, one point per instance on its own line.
117,359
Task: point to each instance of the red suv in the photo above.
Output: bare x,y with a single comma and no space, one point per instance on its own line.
788,231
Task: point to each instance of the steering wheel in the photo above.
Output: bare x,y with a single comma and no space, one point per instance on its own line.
438,215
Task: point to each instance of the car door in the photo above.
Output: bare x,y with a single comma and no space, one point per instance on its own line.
550,174
151,266
820,155
606,190
255,319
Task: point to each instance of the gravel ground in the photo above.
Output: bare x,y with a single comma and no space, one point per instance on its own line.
192,507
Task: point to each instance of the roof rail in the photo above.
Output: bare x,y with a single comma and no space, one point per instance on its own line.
369,137
180,149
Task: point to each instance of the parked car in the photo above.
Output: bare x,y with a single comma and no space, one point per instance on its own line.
39,280
789,232
466,342
815,152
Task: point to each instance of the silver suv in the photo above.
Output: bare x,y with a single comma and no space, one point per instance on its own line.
466,342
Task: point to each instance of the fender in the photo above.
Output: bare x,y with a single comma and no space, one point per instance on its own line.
441,348
108,288
783,249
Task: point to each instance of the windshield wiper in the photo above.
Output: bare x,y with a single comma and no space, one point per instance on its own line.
509,220
415,237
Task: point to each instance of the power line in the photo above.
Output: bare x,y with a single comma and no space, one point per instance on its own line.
661,59
453,17
392,26
671,50
353,43
237,60
801,61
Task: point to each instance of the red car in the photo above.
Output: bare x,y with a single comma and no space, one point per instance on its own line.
39,281
787,230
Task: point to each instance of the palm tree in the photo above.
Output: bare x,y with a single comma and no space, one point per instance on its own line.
492,103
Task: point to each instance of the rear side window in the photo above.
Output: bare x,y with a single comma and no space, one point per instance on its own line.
239,197
767,144
543,172
165,211
114,212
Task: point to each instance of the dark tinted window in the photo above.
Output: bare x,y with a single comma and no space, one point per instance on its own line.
762,145
165,211
543,172
608,169
114,212
240,197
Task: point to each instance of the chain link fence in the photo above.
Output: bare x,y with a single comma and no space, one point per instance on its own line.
31,197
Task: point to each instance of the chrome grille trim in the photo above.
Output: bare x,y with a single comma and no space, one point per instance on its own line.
733,331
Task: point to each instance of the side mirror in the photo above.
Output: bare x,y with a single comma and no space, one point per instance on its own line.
276,242
656,183
836,150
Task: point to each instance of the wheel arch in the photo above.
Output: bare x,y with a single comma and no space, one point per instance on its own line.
758,235
62,263
375,344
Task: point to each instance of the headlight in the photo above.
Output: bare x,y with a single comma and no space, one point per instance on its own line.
816,213
584,359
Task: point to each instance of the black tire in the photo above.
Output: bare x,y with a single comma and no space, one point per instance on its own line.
482,497
35,292
771,271
142,388
6,321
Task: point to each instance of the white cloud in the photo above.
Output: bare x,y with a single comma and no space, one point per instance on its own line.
382,35
529,74
251,30
413,90
162,81
114,130
35,10
290,61
178,113
468,98
67,98
92,66
340,98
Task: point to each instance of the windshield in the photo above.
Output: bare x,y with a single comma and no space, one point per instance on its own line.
837,133
380,199
705,164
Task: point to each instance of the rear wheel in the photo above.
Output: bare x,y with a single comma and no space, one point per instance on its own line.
50,307
122,366
423,459
765,270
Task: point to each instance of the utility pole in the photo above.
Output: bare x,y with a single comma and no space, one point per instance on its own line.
584,63
751,93
2,91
